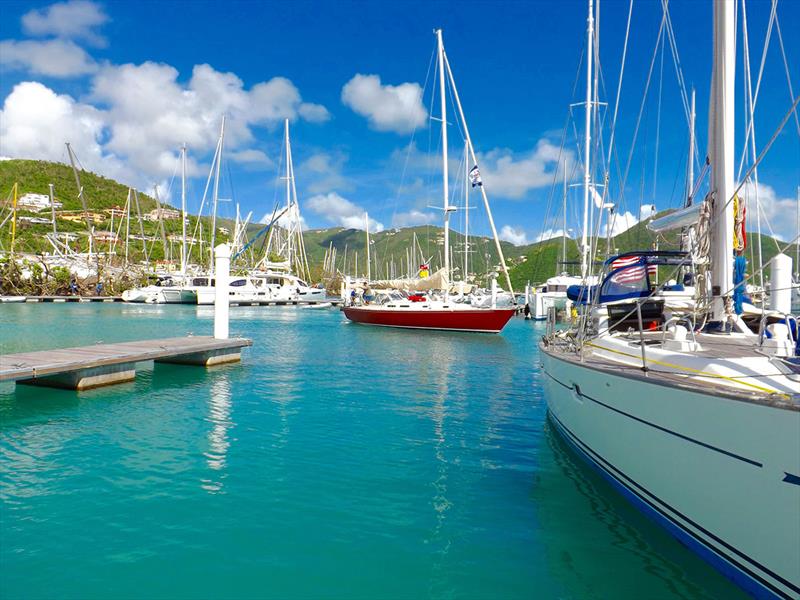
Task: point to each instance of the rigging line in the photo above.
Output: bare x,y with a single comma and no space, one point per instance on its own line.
786,67
750,131
658,124
410,146
644,99
673,45
761,156
619,84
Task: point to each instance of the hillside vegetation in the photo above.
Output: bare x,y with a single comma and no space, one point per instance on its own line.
531,263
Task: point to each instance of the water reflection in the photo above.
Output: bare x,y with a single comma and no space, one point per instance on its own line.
583,518
219,415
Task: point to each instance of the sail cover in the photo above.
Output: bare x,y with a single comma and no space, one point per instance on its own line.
437,281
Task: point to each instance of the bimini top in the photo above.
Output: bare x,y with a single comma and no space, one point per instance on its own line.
628,276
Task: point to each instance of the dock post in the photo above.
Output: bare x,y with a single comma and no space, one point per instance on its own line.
494,290
222,271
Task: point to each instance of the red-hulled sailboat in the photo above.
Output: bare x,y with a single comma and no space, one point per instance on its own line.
447,316
399,310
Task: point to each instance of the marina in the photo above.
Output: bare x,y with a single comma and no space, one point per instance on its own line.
290,464
340,311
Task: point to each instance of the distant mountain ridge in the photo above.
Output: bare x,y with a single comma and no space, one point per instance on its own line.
533,262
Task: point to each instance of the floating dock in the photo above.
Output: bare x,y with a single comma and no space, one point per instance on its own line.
98,365
14,299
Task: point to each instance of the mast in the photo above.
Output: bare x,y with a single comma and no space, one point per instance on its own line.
445,191
483,189
366,225
288,189
466,213
216,191
564,223
87,217
183,210
127,224
14,219
690,165
721,128
53,207
587,142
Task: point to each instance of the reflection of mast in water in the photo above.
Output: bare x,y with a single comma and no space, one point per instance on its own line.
441,504
219,413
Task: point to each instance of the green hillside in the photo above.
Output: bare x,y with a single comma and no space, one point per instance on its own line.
534,262
542,259
101,194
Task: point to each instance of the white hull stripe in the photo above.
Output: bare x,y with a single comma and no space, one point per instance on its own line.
629,484
578,391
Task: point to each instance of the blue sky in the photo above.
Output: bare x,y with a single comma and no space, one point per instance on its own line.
128,82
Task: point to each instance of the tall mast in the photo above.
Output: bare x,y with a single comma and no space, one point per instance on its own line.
564,223
445,191
366,226
183,210
127,224
288,188
216,191
721,128
690,165
87,217
472,155
466,213
53,208
587,142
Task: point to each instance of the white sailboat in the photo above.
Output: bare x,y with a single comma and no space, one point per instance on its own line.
699,426
276,282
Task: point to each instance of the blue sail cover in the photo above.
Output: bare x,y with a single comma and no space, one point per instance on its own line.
739,267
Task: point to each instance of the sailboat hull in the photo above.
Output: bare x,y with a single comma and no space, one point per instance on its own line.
721,474
478,320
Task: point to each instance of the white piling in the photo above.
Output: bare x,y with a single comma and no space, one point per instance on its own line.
528,293
780,284
222,271
494,290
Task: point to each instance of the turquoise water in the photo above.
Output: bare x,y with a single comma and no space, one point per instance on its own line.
336,461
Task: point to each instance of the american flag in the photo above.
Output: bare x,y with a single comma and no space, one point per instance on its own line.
632,260
629,275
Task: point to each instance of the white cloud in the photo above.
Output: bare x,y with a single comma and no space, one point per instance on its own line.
515,235
322,172
341,211
52,58
314,113
508,176
621,222
146,115
251,157
412,218
549,234
35,122
74,19
387,107
778,215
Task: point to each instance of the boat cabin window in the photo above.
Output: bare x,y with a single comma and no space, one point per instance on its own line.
238,282
301,283
200,281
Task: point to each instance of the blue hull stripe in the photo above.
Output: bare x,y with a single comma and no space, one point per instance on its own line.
728,565
791,478
659,427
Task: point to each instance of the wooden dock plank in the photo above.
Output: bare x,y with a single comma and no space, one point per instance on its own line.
27,365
